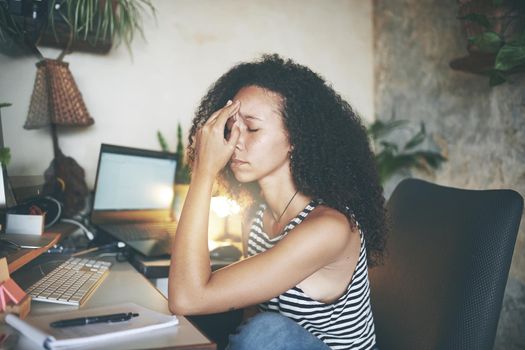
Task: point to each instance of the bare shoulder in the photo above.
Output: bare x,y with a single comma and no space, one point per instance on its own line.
327,226
330,219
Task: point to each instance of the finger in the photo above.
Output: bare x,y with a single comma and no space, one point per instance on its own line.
213,117
215,114
234,135
227,112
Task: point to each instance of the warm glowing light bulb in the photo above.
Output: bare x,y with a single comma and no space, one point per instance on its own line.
224,206
164,195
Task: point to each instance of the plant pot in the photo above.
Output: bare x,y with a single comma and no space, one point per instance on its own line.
180,192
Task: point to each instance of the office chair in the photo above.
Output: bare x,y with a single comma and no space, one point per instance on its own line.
446,266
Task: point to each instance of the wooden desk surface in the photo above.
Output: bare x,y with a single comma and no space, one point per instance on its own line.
125,284
20,257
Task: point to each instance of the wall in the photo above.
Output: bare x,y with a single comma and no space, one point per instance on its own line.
188,46
482,128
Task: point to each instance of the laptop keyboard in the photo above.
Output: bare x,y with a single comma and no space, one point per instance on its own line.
137,232
71,283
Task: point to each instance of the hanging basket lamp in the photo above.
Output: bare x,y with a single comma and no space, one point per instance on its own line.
56,98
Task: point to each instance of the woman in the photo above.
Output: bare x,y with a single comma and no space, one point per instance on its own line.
283,140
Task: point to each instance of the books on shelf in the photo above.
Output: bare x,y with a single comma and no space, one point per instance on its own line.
38,328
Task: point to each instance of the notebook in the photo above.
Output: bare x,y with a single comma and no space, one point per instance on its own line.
133,199
148,323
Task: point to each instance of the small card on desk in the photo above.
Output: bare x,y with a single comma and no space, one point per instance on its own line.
24,224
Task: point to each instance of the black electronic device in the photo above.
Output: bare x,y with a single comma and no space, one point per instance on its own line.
226,253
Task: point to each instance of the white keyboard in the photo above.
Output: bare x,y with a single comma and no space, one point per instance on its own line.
71,283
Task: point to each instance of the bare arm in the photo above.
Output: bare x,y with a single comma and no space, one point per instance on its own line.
190,263
302,252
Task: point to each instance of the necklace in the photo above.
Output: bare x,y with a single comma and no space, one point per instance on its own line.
276,225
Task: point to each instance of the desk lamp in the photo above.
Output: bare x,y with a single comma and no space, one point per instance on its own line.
224,208
56,101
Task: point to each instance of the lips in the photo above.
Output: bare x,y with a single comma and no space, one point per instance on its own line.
237,162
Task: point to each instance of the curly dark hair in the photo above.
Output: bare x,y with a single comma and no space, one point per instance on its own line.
331,157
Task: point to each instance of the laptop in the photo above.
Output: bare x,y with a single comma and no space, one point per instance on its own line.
133,199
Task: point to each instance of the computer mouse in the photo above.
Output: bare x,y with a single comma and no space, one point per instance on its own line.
226,252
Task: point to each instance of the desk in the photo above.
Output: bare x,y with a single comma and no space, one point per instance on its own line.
21,257
125,284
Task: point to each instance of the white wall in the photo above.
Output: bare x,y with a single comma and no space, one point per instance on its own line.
190,44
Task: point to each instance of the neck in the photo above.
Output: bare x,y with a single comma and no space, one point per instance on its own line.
277,195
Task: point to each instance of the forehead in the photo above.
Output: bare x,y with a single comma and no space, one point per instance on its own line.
259,102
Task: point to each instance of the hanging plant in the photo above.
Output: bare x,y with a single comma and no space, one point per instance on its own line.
78,24
99,21
496,38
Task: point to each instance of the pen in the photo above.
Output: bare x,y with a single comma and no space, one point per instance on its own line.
81,321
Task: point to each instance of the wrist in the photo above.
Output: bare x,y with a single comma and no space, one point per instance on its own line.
200,178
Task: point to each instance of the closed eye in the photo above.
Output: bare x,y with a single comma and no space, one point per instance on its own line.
252,130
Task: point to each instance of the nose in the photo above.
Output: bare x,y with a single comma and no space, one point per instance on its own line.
242,134
240,142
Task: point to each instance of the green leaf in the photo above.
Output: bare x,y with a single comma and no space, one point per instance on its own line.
482,20
180,144
487,42
162,142
496,78
417,139
5,155
379,129
519,40
389,146
5,104
510,56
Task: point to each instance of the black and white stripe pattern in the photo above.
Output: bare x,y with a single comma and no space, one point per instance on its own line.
346,323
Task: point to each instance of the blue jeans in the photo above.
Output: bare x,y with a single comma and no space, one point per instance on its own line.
269,330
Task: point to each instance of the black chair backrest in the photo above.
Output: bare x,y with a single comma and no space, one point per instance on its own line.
446,266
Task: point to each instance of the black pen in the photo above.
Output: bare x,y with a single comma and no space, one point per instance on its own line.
81,321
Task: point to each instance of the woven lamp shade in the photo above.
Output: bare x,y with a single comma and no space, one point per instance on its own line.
56,98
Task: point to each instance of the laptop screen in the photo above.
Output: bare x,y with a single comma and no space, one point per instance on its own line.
134,179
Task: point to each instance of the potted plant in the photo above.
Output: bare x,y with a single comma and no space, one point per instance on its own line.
496,38
89,25
393,157
182,173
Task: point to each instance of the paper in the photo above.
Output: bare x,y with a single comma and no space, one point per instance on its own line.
24,224
39,330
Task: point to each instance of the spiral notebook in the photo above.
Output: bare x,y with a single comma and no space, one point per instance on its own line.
91,336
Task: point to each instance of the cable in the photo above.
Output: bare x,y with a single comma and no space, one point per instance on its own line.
59,211
117,245
89,235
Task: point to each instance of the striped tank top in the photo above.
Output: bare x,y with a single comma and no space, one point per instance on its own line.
346,323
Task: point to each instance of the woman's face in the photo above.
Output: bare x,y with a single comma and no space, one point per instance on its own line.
262,149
